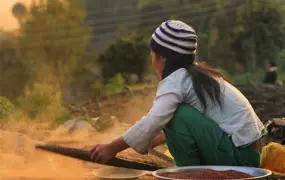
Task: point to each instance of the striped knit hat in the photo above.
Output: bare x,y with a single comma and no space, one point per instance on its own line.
174,37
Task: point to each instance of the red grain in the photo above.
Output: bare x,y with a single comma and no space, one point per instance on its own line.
208,174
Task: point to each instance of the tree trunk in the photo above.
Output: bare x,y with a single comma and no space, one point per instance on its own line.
253,52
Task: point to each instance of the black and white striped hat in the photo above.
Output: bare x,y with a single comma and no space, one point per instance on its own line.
176,36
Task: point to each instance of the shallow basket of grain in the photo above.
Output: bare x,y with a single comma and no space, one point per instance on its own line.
211,173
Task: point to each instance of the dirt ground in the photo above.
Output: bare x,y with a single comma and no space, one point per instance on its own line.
20,160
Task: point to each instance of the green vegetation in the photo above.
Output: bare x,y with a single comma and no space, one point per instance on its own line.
43,101
6,107
53,34
116,85
93,47
126,56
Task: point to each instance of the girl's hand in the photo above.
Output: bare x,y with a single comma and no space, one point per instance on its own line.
102,153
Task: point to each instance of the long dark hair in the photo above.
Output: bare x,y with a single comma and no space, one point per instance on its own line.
203,77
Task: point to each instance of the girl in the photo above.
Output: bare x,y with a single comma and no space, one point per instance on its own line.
204,119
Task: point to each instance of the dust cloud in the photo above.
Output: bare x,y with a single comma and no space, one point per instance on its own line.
20,160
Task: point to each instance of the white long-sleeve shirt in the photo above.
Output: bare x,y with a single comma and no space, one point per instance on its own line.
237,117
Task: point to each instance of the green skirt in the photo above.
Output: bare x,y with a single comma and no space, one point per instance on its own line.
193,139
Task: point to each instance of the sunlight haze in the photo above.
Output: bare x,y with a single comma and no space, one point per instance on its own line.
7,20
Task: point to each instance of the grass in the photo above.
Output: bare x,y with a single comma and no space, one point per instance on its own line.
42,103
136,87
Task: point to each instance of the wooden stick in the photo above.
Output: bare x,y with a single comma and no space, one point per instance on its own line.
85,156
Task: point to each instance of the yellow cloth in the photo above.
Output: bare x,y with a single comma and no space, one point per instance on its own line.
273,158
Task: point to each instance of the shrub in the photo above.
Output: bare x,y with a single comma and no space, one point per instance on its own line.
126,56
43,101
116,85
97,88
244,78
6,107
241,78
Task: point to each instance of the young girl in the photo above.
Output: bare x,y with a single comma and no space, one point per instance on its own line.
204,119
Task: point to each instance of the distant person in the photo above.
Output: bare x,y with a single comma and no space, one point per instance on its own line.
271,73
205,120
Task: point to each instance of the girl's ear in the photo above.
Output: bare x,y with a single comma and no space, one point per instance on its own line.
161,59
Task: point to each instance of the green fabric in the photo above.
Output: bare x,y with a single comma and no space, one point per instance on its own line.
193,139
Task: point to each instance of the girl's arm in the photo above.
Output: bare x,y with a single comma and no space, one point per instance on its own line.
158,140
140,136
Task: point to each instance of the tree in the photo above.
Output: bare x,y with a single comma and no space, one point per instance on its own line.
125,56
260,31
215,36
110,19
14,74
152,14
54,34
19,10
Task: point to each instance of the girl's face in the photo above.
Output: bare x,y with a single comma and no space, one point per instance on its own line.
158,63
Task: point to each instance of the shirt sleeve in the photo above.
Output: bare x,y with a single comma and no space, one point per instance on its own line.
165,104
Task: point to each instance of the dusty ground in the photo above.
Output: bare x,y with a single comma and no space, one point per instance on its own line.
20,160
